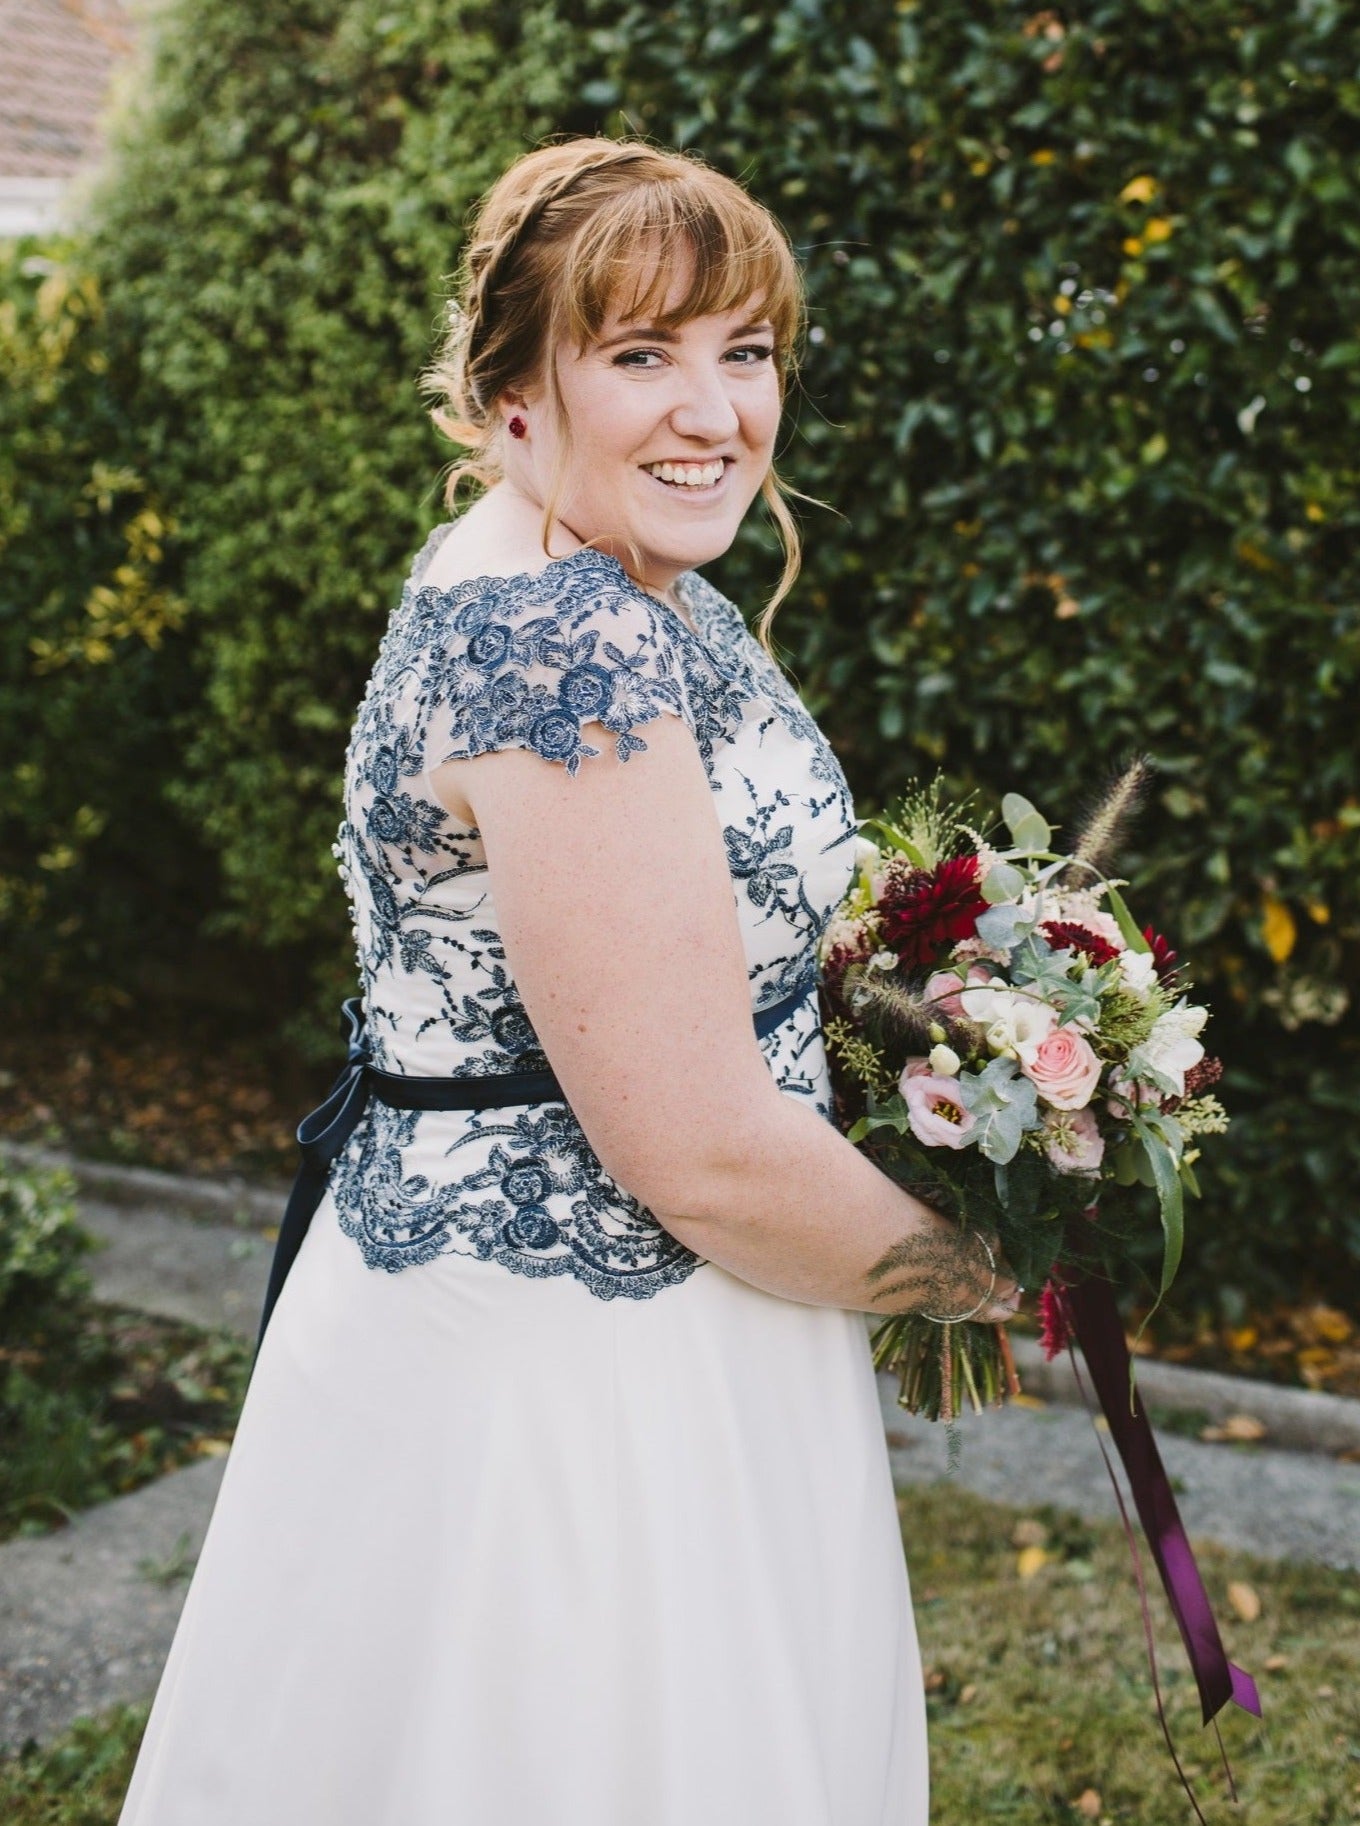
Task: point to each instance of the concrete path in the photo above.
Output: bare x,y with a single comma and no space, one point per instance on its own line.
204,1273
87,1615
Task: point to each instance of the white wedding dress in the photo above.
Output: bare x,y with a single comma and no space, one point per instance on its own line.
533,1517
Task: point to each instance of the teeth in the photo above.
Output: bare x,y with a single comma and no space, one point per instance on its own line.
688,475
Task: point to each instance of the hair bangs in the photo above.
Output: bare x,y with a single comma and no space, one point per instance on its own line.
725,251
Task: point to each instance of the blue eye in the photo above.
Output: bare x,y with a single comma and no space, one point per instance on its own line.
762,351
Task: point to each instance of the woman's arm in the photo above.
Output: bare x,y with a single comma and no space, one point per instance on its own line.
616,907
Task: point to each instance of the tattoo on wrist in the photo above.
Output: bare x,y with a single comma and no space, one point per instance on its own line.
928,1273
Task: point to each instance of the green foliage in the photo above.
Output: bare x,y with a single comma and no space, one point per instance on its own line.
91,665
1082,388
81,1779
42,1280
92,1402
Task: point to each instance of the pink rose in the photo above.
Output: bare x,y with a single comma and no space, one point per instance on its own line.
936,1112
944,986
1073,1142
1063,1069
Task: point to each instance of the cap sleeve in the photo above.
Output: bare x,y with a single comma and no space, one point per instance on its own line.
531,662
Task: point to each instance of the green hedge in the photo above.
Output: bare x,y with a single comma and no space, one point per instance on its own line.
1082,386
94,871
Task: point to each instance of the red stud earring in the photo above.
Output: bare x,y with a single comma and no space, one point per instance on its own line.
516,427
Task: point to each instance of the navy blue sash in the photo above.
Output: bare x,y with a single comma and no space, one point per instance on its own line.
322,1134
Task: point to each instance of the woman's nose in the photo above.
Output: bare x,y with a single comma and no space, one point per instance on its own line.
705,410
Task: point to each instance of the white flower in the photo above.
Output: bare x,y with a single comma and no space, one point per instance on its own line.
1016,1025
1172,1047
1138,970
944,1061
883,960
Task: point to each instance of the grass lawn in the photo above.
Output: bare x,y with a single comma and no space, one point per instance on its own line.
1038,1690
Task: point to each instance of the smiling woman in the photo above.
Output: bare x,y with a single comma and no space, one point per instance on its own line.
670,307
560,1492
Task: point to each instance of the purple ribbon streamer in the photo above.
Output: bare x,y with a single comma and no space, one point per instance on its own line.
1100,1333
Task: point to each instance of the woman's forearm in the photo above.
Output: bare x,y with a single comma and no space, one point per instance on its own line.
790,1206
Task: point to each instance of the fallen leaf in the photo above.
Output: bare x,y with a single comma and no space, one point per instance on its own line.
1236,1426
1029,1561
968,1695
1244,1600
1088,1804
1325,1693
1274,1664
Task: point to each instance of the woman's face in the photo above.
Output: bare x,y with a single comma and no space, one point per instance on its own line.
698,404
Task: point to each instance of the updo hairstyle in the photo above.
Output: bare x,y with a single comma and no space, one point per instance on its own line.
573,229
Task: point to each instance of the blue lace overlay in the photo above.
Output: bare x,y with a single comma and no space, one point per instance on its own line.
536,662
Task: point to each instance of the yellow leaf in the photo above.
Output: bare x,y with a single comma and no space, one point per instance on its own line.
1243,1338
1244,1600
1044,156
1330,1324
1315,511
1062,305
1139,190
1029,1561
1318,910
1158,228
1278,929
1133,247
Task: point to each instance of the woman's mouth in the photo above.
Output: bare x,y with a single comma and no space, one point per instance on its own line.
690,478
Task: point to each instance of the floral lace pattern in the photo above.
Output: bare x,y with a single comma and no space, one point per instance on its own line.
535,661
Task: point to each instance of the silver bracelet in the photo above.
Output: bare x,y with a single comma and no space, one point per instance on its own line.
963,1317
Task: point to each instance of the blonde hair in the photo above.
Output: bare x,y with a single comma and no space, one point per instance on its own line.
570,231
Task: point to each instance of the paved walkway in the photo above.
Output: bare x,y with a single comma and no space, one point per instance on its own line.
87,1614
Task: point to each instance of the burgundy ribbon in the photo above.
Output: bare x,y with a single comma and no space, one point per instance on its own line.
1100,1333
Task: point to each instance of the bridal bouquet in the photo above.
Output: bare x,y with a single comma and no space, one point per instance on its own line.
1011,1047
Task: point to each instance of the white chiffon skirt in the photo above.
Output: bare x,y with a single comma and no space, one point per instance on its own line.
490,1551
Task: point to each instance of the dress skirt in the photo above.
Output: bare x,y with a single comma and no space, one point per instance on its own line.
492,1551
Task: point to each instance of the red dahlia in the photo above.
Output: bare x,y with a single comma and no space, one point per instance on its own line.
927,911
1061,934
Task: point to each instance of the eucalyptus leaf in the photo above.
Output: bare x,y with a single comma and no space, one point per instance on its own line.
1015,808
1032,834
1002,882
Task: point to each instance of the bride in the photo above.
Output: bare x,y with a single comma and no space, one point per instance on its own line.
560,1493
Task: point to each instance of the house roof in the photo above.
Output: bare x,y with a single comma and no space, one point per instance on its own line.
56,57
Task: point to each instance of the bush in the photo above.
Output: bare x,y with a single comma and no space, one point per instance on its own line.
1082,383
95,872
43,1284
